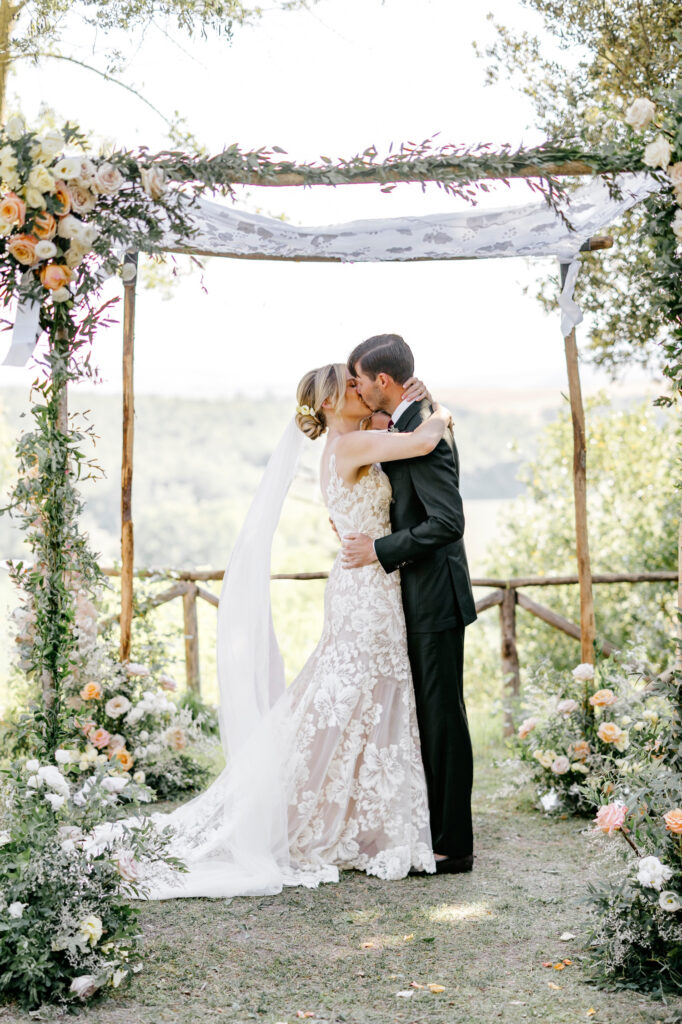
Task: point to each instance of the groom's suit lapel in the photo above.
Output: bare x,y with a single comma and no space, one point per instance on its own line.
411,418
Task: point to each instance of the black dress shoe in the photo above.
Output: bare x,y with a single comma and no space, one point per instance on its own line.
455,865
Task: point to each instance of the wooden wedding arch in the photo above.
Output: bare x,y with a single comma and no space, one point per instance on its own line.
508,595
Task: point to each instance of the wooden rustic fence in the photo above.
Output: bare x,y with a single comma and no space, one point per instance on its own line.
505,594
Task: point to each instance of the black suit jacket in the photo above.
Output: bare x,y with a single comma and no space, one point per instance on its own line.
426,543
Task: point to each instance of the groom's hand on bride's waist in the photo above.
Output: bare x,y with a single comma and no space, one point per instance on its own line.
357,550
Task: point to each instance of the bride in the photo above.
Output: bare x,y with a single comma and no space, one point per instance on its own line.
327,773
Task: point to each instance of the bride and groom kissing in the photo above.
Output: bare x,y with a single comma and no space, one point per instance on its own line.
364,761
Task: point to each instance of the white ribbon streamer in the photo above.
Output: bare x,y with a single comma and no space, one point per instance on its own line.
571,313
25,333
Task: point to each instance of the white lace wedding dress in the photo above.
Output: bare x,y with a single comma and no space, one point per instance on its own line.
337,755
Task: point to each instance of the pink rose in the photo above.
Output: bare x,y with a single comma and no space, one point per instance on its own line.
99,738
526,726
610,817
560,765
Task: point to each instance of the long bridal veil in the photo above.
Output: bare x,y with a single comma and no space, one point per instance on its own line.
233,837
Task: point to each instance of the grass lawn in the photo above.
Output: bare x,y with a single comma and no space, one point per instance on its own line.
343,953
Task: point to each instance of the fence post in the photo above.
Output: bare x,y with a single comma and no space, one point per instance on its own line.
511,678
189,608
127,541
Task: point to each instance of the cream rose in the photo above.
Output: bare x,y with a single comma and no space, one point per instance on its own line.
45,250
658,153
87,173
84,986
583,672
51,143
167,683
82,199
117,706
640,114
90,929
35,198
560,765
567,707
40,178
76,255
153,181
15,127
23,248
61,295
108,179
545,757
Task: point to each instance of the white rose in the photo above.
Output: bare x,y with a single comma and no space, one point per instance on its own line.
52,143
65,756
54,800
33,782
114,783
35,198
68,167
16,909
69,226
45,250
652,873
153,181
135,714
139,778
567,707
41,179
640,114
52,777
560,765
82,199
134,669
15,127
61,294
84,986
583,672
75,255
117,706
32,766
108,179
658,153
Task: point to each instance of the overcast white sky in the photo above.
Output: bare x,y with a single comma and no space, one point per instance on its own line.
330,81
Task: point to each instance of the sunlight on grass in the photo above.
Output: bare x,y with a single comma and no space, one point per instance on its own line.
448,912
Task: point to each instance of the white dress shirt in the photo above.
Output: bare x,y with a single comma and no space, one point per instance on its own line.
397,413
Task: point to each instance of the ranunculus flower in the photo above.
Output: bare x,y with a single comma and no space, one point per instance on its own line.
603,699
90,928
99,738
45,250
640,114
63,198
124,758
39,177
117,706
560,765
91,691
108,179
673,821
581,749
658,153
153,181
44,226
653,873
175,738
583,672
610,817
13,209
15,127
16,909
23,248
669,900
82,199
128,868
567,707
84,986
55,275
527,726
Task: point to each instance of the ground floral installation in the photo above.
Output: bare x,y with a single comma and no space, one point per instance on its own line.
67,218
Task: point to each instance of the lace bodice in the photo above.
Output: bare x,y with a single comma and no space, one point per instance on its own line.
363,508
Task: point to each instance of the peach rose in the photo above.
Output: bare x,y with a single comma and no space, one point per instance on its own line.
175,738
603,699
581,748
45,226
23,248
609,732
527,725
63,198
673,821
13,209
91,691
99,738
124,759
55,275
610,817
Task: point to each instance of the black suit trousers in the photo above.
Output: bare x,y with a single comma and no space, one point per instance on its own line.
437,661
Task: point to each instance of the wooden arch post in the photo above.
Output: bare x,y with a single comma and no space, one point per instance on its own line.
587,622
127,543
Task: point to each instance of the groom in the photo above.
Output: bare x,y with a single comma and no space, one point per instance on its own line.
426,545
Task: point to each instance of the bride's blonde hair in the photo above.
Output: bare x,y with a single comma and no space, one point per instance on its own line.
328,382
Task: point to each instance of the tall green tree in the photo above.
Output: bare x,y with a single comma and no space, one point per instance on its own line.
581,71
38,30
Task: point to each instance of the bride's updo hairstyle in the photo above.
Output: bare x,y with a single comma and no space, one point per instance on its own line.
329,382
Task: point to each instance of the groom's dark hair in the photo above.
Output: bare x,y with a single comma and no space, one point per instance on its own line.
383,353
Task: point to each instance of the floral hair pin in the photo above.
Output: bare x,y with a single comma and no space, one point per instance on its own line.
305,410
